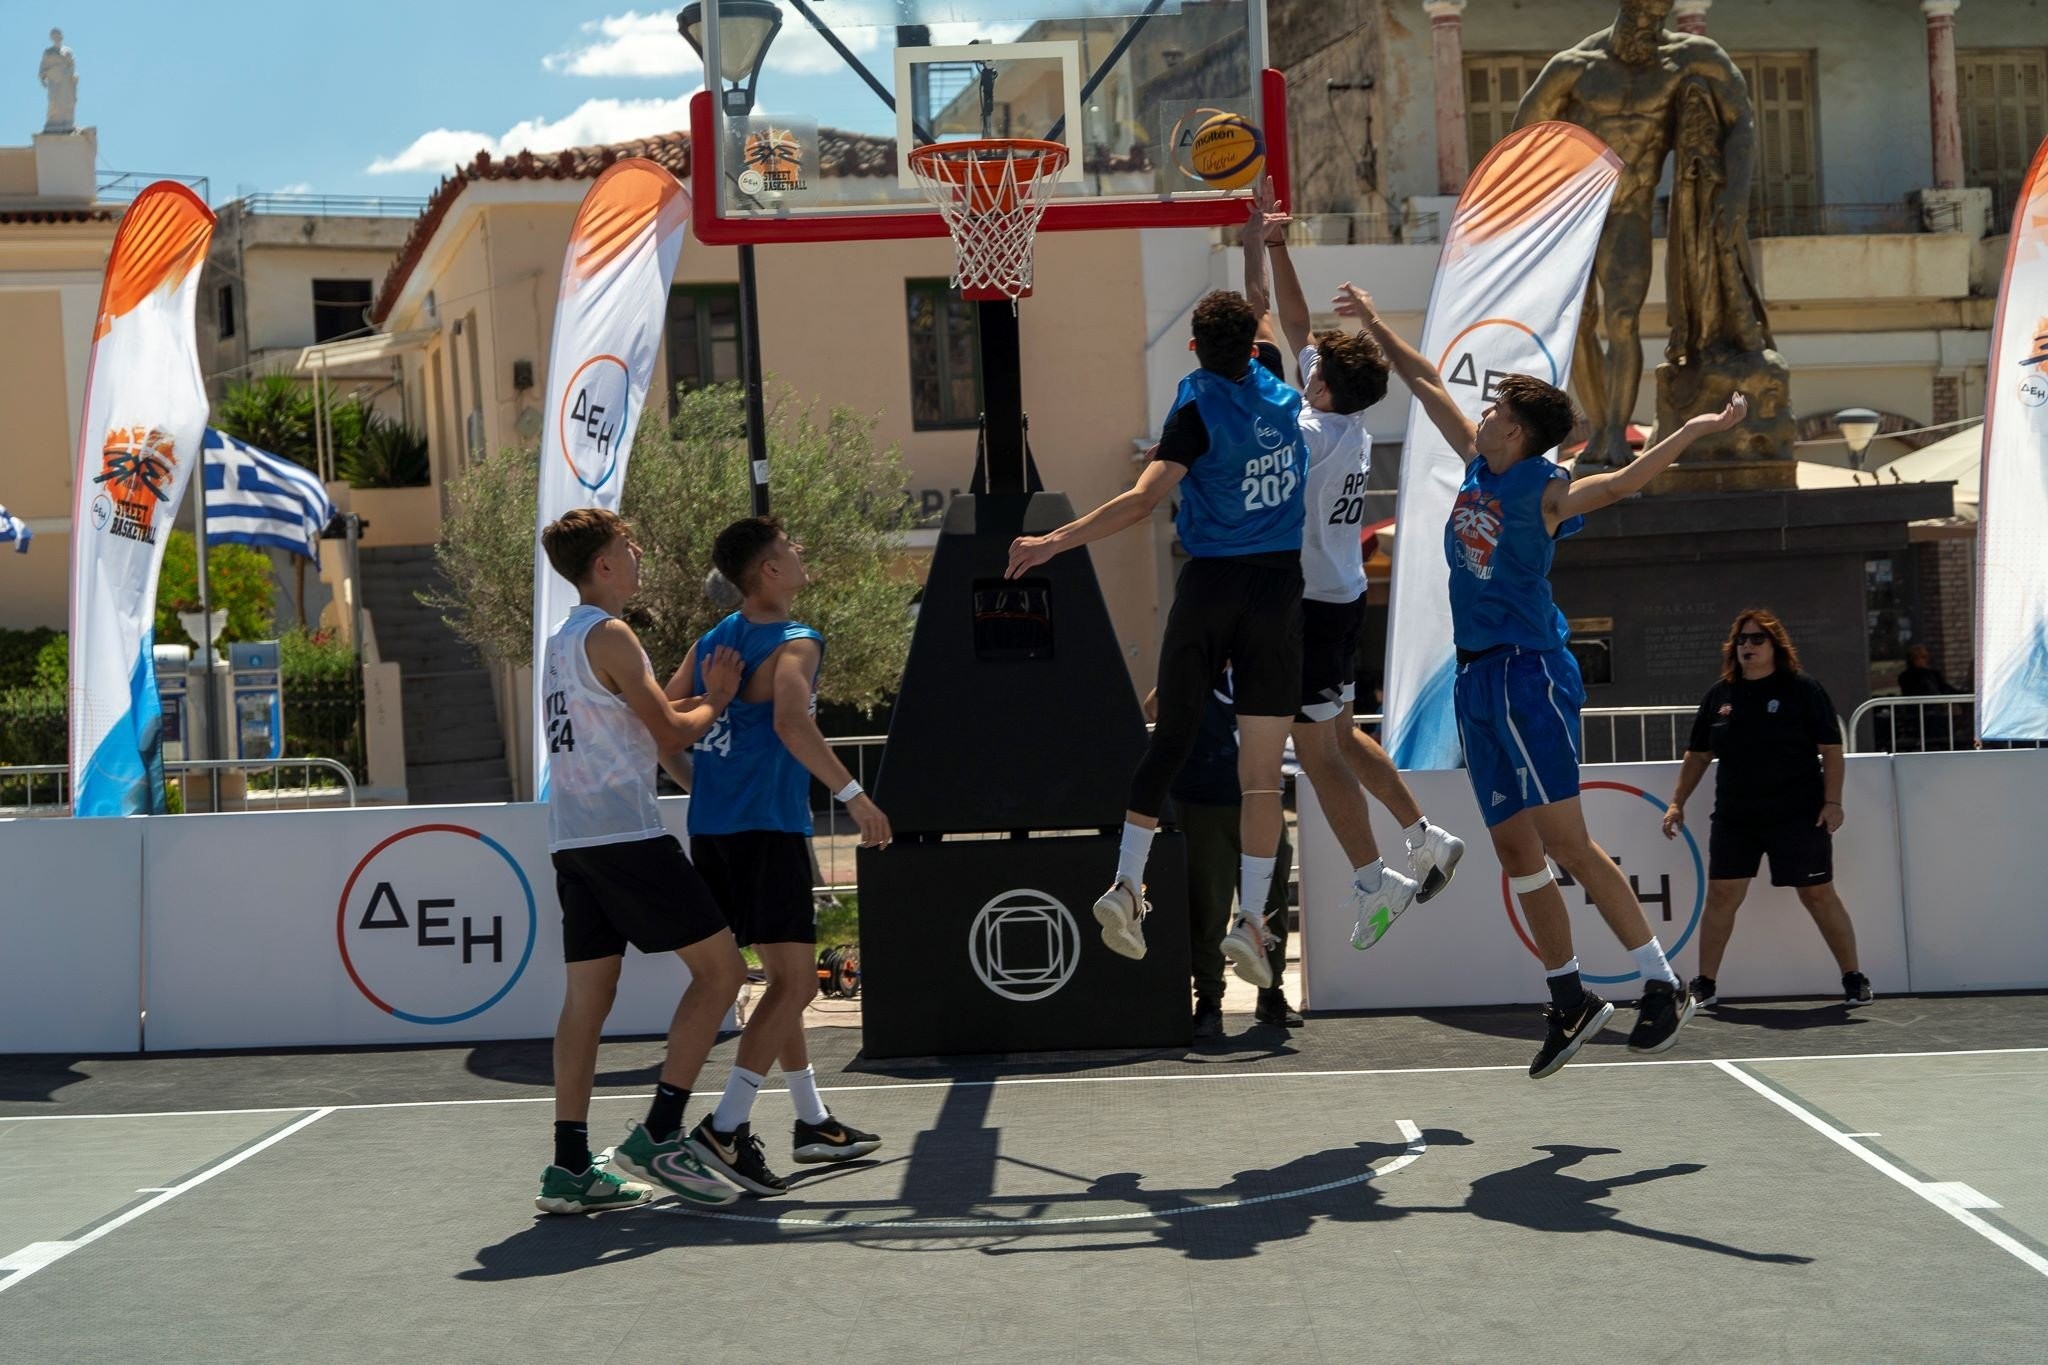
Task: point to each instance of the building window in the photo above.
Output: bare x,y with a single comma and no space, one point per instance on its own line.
1888,603
1785,186
2005,116
340,309
1494,85
703,335
224,311
945,356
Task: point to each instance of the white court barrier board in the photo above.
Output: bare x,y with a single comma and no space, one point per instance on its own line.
1975,867
402,925
70,935
1469,945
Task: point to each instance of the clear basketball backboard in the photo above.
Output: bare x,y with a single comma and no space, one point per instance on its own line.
821,102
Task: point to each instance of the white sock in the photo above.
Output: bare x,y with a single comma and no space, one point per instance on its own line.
1369,876
1417,832
1254,880
1568,968
1650,962
803,1095
1132,853
737,1104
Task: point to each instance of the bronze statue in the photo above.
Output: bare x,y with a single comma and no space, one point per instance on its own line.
1648,93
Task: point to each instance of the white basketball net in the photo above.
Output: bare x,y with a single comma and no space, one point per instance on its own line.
992,202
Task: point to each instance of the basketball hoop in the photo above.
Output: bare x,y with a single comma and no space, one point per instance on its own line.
991,193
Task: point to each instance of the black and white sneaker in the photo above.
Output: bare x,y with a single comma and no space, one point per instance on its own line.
1856,988
1704,992
1662,1012
1568,1032
812,1143
735,1156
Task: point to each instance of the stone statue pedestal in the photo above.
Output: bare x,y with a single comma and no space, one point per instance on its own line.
65,165
1756,455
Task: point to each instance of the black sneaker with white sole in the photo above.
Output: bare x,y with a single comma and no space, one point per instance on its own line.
1856,988
813,1143
1567,1033
1704,992
1662,1012
736,1156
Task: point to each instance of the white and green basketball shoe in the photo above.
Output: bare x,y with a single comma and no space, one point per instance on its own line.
670,1165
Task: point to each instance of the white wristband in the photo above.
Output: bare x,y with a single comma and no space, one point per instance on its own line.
847,793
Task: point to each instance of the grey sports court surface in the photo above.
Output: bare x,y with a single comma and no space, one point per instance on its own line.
1795,1182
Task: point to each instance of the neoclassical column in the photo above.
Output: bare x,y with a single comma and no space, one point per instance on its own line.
1690,16
1447,43
1944,108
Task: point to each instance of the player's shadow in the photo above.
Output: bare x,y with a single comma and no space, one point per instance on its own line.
1542,1197
955,1211
1793,1016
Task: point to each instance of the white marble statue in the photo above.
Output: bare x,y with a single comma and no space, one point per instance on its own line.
59,74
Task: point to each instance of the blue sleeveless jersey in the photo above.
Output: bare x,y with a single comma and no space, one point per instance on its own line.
742,775
1245,494
1500,557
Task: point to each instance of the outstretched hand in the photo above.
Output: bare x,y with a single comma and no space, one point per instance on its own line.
1027,553
1727,418
1264,222
1353,302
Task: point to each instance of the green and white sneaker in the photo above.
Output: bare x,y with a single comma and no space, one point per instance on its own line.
1377,910
670,1165
594,1191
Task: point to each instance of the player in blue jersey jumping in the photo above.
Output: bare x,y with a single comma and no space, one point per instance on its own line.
750,826
1518,690
1231,450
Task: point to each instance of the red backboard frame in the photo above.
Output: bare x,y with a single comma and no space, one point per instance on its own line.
1062,216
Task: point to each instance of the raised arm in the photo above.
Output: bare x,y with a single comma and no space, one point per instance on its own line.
1416,372
617,660
1263,222
1567,500
1121,512
1287,295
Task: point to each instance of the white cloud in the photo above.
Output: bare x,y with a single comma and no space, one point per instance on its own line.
296,187
636,44
591,122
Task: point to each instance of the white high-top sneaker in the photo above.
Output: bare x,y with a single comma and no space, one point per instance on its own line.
1121,912
1377,910
1245,947
1434,860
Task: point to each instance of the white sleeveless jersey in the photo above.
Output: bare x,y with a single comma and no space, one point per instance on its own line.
601,760
1339,457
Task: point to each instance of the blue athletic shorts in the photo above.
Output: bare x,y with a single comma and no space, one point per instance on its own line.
1518,716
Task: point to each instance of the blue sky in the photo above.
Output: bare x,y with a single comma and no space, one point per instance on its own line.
375,97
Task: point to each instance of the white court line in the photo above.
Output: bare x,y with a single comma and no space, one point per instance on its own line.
37,1255
1942,1195
1418,1146
1056,1080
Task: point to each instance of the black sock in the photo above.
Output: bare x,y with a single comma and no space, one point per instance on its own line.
1566,992
665,1116
572,1146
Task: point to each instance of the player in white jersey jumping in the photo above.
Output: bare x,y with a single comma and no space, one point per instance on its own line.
621,877
1342,375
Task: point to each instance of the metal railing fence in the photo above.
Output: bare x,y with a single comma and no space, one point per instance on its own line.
44,789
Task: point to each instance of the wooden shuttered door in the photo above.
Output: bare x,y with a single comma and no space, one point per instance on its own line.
1786,183
1494,85
2005,115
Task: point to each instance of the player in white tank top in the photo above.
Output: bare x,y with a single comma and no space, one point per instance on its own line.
601,759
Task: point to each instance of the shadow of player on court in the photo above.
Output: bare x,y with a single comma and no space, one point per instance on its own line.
1540,1196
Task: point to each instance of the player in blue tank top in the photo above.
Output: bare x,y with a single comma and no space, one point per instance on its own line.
750,824
1518,691
1231,448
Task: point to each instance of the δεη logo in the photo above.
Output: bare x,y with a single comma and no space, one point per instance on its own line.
436,924
1487,352
592,418
1668,876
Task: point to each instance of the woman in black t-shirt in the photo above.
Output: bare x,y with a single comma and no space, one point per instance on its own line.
1779,792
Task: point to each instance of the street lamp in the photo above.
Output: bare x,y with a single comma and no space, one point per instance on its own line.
1858,427
745,29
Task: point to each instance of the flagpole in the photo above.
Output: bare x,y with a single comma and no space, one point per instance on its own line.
213,745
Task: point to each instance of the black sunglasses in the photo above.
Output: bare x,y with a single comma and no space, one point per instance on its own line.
1751,637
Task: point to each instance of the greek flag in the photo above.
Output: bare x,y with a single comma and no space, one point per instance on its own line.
258,498
15,529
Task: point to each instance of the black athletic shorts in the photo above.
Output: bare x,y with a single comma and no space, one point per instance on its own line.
1329,656
1802,852
643,892
1245,612
761,879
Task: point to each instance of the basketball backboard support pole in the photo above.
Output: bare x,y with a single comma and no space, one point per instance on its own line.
1002,395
